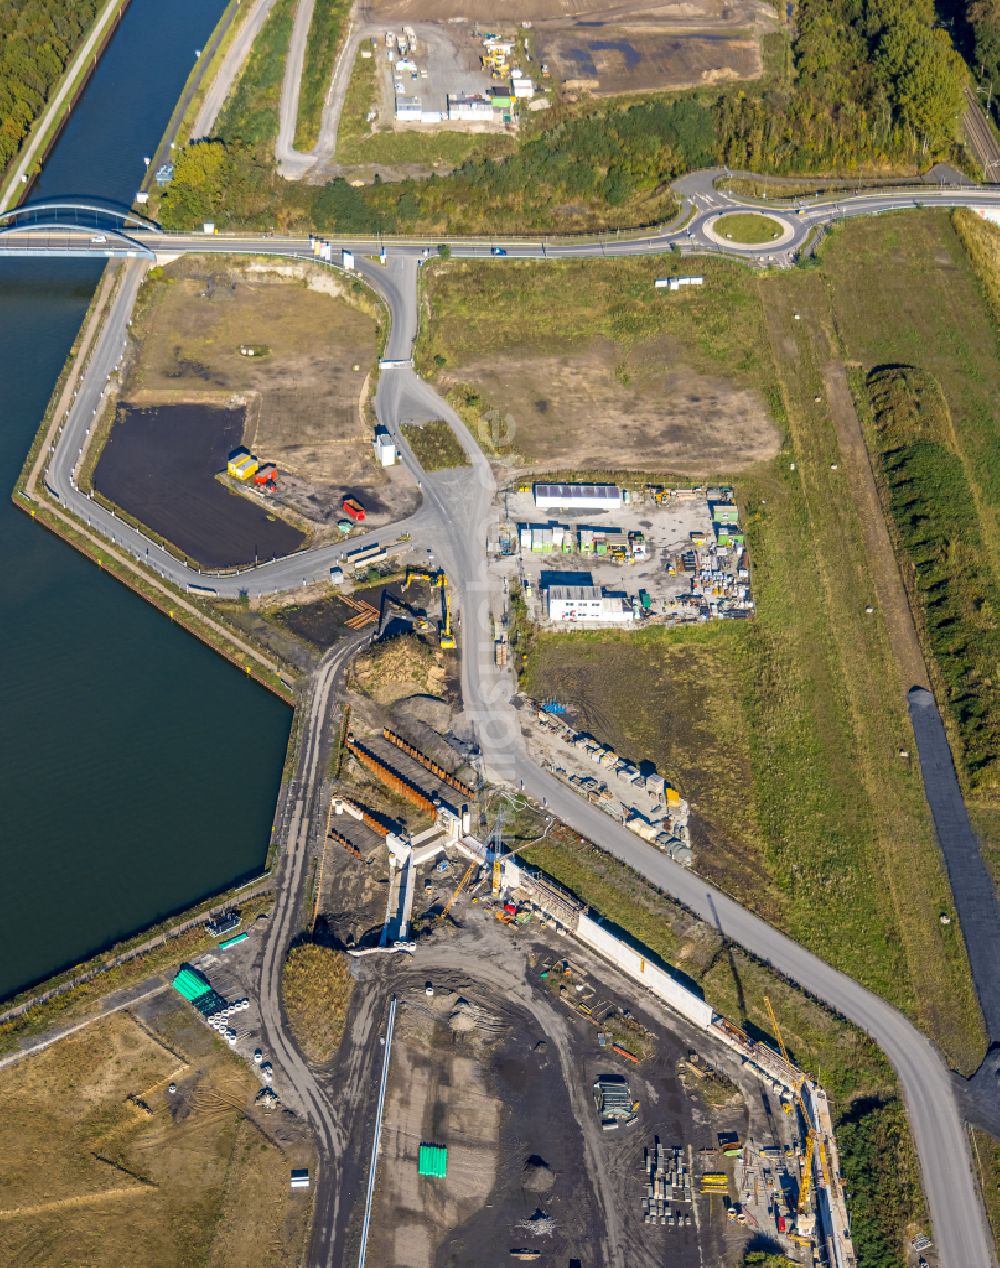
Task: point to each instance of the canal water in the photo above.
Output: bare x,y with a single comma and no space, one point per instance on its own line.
139,770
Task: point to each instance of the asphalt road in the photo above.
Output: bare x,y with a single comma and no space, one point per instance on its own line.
454,519
971,883
291,163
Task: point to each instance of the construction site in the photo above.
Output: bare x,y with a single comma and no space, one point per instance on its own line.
553,1087
593,556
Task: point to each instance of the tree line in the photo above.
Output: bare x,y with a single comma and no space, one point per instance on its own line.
39,38
873,84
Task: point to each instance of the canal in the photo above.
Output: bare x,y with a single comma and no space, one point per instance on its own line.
139,770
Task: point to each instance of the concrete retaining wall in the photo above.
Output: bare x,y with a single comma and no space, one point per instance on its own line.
653,978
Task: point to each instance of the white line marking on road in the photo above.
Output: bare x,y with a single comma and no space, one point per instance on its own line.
378,1133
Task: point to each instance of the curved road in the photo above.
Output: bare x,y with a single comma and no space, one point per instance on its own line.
300,815
455,519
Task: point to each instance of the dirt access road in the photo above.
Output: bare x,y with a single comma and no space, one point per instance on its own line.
230,69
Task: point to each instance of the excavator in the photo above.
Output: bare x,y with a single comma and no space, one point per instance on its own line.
422,574
439,581
448,642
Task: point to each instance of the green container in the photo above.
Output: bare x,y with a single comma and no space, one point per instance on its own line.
433,1161
232,942
190,983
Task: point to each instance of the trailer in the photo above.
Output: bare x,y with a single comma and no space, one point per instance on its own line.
353,510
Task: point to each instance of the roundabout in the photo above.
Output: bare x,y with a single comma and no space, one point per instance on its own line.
748,230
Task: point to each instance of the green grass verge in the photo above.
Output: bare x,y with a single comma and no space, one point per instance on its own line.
326,33
250,114
435,445
748,228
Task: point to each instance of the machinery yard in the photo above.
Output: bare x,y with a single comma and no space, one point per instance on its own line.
620,557
498,1066
649,45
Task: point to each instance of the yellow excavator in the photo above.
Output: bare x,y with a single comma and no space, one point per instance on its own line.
422,574
439,581
448,642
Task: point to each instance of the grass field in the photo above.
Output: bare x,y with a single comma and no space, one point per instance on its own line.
930,309
585,367
748,228
316,985
876,1150
435,445
823,826
250,113
438,147
104,1165
322,45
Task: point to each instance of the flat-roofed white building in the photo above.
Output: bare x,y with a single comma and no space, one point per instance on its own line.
583,497
470,109
408,109
577,604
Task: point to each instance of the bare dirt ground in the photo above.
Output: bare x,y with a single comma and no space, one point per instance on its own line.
105,1165
499,1066
305,390
161,465
655,413
636,46
620,59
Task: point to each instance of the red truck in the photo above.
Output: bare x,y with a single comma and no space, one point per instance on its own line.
353,509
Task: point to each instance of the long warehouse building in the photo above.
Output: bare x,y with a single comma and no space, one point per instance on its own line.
582,497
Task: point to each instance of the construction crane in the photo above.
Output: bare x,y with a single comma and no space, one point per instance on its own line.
494,842
805,1218
458,889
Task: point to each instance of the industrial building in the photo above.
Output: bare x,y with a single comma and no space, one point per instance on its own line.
579,497
470,108
385,447
576,604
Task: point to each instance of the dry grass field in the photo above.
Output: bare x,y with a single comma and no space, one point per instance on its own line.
583,368
639,408
316,985
102,1165
304,395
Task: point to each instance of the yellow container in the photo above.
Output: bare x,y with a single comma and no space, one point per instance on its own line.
243,467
